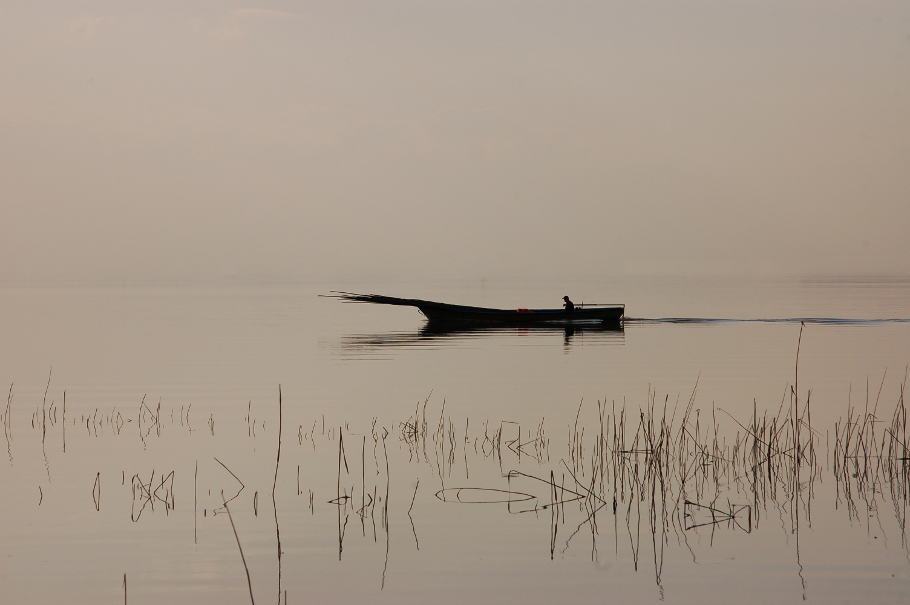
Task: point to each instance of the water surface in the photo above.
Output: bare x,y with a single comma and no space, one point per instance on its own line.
491,465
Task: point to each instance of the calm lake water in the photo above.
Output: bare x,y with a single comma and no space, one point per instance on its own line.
716,449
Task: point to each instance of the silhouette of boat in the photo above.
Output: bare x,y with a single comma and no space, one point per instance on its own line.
437,312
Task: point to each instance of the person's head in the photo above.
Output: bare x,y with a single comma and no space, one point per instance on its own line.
565,298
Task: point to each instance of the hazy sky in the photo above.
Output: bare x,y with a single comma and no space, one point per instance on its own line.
197,139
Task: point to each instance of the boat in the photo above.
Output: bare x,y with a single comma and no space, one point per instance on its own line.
437,312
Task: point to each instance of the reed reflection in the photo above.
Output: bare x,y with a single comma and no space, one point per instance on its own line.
629,482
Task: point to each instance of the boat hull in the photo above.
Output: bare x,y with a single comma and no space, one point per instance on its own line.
441,312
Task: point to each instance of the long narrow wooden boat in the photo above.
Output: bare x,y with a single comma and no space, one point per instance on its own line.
444,312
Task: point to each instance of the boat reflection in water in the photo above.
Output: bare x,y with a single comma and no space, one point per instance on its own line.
440,334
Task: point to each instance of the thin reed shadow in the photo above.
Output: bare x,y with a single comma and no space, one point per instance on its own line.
274,483
249,582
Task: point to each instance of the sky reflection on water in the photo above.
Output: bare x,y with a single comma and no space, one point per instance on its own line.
670,460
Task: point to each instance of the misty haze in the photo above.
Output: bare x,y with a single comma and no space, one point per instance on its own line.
630,286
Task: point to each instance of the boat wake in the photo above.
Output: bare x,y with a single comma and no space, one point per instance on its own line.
835,321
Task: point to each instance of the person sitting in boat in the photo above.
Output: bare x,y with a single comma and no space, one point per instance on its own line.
569,305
